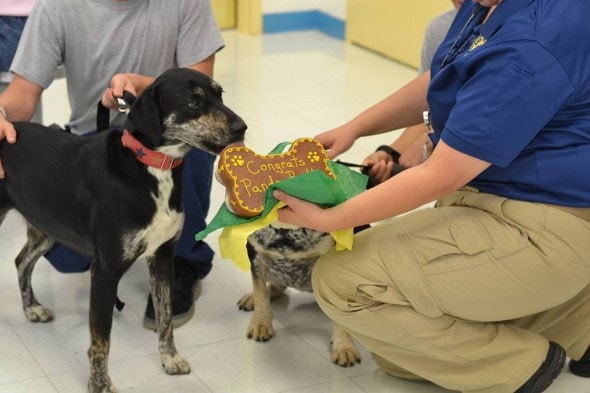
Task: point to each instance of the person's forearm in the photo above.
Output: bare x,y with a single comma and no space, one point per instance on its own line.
408,137
19,100
441,175
385,200
401,109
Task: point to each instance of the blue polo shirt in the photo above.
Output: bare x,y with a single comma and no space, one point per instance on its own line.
515,92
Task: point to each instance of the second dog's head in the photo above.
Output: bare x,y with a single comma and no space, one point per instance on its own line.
185,107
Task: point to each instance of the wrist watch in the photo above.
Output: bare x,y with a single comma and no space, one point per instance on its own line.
391,151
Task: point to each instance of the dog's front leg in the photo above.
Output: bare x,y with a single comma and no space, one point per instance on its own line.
260,328
161,268
103,293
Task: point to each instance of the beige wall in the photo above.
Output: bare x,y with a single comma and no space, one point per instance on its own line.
394,28
225,13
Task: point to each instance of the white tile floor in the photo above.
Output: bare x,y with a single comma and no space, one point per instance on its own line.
284,86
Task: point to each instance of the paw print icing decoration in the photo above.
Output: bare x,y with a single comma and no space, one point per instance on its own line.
313,156
237,160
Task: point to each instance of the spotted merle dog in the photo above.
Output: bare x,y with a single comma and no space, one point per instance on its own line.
282,256
115,196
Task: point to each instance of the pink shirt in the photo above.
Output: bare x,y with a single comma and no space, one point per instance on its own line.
16,7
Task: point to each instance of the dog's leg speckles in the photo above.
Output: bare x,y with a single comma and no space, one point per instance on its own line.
344,352
99,380
37,244
161,276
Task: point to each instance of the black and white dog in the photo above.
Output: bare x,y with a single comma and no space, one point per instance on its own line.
282,256
115,196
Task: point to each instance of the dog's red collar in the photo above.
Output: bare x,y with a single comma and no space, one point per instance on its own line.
152,158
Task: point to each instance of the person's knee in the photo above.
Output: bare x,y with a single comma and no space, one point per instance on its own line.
319,274
326,283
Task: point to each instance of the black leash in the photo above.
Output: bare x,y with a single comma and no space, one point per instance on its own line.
397,168
103,121
352,165
103,114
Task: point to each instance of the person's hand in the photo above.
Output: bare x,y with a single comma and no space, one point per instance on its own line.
336,141
119,84
7,132
380,165
299,212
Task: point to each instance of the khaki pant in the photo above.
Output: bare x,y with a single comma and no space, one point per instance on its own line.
467,294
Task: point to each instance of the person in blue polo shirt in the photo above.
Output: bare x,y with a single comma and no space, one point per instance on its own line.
489,290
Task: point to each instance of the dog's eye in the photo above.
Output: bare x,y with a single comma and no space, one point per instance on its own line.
194,104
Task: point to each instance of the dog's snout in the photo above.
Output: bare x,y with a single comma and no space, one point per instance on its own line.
238,126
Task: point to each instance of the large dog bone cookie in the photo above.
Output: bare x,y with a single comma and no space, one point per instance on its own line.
247,175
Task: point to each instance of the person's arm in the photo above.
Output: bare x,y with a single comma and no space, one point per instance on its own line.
401,109
408,138
205,66
20,99
444,172
137,83
18,103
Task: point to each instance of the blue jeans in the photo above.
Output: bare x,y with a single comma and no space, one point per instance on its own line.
11,28
197,176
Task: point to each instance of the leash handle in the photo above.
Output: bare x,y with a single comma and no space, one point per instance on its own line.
126,102
103,114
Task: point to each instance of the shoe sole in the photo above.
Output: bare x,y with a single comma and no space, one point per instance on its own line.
580,368
556,365
180,319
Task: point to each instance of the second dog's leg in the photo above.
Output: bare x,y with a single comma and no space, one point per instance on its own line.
37,244
344,352
246,302
161,277
260,328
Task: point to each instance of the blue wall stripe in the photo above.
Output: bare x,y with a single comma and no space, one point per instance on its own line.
303,20
331,25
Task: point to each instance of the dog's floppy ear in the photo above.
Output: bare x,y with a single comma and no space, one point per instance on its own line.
144,116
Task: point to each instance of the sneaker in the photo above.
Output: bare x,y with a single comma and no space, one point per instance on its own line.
581,367
185,290
547,372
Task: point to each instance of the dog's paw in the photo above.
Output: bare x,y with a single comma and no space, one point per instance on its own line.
345,356
176,364
38,314
246,303
260,331
102,388
344,352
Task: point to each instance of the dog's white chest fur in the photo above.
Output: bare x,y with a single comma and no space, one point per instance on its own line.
165,225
